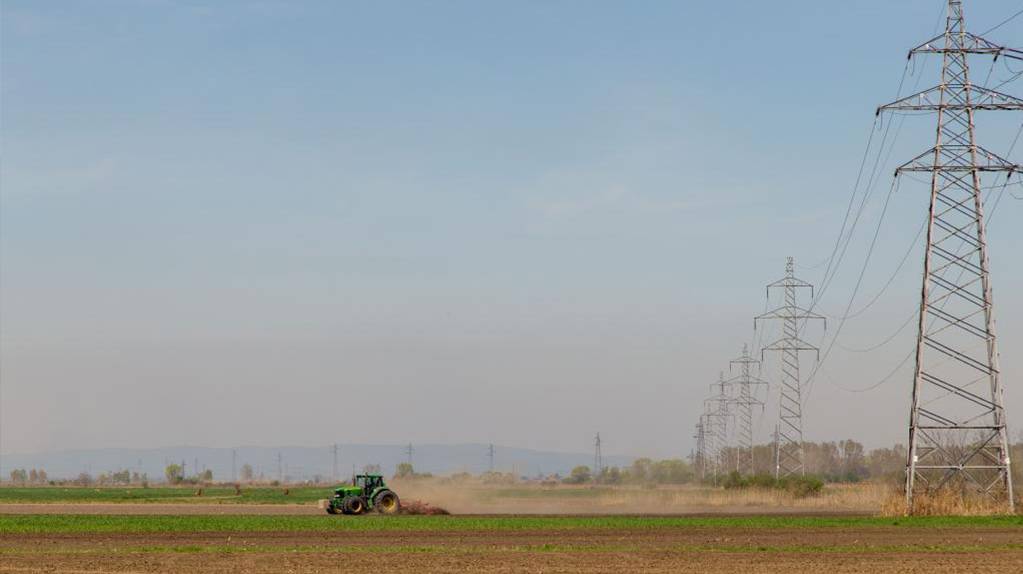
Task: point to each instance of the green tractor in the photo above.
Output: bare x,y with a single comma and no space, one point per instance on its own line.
367,492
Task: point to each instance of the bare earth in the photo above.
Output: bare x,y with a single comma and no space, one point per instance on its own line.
834,550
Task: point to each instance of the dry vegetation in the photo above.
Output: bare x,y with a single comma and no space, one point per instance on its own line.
475,498
948,502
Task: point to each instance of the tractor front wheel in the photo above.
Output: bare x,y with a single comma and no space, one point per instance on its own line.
386,502
355,505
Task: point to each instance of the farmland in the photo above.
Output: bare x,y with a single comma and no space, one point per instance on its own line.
266,543
273,529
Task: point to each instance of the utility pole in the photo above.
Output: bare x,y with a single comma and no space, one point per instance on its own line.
790,406
490,455
334,476
745,401
957,429
598,458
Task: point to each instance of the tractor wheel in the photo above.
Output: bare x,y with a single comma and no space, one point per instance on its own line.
355,505
330,509
386,502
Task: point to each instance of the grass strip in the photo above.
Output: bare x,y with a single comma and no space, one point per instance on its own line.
163,495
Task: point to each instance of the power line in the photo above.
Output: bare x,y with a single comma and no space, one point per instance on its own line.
990,215
827,280
859,283
1002,23
887,377
884,342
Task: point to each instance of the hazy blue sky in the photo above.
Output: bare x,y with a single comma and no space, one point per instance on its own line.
523,222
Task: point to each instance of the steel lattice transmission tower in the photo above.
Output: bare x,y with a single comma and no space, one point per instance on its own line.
718,411
700,462
598,458
957,432
790,406
745,400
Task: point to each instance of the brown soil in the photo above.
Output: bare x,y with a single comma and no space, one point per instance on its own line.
852,550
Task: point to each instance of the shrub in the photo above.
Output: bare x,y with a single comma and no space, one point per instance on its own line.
798,486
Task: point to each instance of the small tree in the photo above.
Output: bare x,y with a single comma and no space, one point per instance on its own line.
579,475
404,470
173,473
640,471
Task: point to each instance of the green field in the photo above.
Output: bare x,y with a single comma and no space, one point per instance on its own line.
215,494
59,524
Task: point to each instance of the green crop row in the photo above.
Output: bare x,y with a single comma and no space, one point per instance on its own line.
215,494
53,524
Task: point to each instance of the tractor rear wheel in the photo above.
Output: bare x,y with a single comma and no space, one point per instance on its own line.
386,502
355,505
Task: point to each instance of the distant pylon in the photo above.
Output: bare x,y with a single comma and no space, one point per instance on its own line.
490,455
408,453
957,431
334,476
700,461
598,458
745,400
718,412
790,406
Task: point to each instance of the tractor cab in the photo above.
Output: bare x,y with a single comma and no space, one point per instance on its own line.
369,482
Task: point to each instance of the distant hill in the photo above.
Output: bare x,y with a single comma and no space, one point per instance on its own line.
303,463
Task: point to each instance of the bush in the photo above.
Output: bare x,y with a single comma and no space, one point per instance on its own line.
798,486
801,486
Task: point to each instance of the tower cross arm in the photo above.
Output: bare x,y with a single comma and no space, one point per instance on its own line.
790,282
791,344
970,44
959,158
744,380
971,98
787,312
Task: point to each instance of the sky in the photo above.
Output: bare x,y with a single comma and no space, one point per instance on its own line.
298,223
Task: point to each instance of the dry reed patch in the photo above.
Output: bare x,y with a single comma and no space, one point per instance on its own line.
945,502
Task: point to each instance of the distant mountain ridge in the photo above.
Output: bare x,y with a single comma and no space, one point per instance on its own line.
303,463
